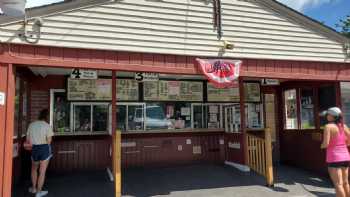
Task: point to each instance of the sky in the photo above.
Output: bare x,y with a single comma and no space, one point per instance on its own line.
328,12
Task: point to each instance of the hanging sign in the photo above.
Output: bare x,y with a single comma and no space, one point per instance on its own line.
146,76
270,82
2,98
83,74
221,73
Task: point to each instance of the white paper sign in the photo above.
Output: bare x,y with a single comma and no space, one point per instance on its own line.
2,98
270,82
147,76
15,150
83,74
185,111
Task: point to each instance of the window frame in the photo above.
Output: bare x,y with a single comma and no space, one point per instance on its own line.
127,104
91,104
316,88
314,98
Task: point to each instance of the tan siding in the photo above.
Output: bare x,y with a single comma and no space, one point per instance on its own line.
185,28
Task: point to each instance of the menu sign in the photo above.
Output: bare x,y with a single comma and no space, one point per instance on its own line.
89,89
173,91
127,90
222,94
252,92
101,90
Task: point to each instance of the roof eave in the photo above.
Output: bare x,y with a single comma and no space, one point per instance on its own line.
305,20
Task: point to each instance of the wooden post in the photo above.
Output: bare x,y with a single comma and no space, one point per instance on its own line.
268,152
117,164
116,141
7,86
243,121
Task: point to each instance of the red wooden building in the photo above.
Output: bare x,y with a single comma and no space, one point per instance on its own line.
292,68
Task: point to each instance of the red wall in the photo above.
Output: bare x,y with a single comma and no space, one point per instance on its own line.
163,149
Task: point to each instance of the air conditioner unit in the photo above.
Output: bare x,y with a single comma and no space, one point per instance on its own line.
13,8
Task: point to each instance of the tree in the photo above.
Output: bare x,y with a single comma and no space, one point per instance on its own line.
345,26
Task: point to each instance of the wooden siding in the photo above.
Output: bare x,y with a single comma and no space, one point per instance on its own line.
184,28
171,64
171,149
7,86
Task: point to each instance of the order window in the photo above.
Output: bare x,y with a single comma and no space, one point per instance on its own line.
307,108
88,118
290,105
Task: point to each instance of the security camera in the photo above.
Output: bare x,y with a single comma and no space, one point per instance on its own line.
228,45
38,22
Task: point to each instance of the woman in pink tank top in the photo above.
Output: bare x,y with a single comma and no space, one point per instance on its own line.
335,140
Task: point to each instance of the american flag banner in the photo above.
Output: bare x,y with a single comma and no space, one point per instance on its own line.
220,72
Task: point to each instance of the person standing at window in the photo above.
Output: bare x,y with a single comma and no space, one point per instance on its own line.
39,137
335,140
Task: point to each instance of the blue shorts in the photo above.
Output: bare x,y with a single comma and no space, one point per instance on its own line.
41,152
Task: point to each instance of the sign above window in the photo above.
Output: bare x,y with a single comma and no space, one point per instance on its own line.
83,74
146,77
270,82
89,90
173,91
221,73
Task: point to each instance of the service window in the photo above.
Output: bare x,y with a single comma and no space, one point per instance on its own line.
156,117
90,118
326,99
208,115
60,111
307,108
290,105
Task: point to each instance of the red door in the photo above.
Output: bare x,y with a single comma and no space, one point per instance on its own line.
234,145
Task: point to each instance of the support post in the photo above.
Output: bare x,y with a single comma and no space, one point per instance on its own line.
7,86
243,121
268,152
116,140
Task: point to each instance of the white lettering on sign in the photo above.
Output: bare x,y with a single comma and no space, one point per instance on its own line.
83,74
2,98
146,77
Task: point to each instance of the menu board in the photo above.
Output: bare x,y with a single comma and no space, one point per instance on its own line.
101,90
222,94
89,89
173,91
127,90
252,92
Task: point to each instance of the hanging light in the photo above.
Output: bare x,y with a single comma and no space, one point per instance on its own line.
13,8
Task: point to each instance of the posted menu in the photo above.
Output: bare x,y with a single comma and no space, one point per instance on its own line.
101,90
173,91
222,95
89,89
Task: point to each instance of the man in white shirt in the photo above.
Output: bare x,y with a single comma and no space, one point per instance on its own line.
39,135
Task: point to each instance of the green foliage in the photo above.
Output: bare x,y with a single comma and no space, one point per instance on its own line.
345,26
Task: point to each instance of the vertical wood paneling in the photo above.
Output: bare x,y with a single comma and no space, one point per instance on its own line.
163,150
8,148
70,54
84,55
3,88
123,58
147,59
